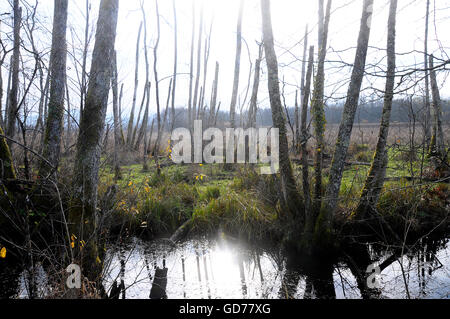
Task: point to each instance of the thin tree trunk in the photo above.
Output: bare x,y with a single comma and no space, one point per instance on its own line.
427,124
117,173
288,186
13,94
348,116
83,216
254,97
237,66
55,120
136,82
7,170
302,91
84,60
191,70
122,136
175,63
155,72
195,105
304,132
437,141
318,116
375,178
212,107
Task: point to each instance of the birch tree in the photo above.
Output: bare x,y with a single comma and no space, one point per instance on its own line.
83,216
288,186
375,178
58,58
348,116
237,66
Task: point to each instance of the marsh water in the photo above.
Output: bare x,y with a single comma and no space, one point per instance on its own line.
223,268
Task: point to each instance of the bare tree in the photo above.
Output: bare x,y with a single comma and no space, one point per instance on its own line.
288,185
13,93
58,58
136,82
237,66
348,116
318,116
175,63
437,141
302,91
427,124
114,85
375,178
213,103
83,215
305,133
254,97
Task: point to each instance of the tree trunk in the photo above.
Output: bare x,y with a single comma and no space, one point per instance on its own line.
155,72
84,60
302,92
13,94
288,186
212,107
427,124
136,82
58,57
375,178
197,76
191,70
117,174
318,116
83,216
237,66
175,64
348,116
305,134
437,145
6,163
254,97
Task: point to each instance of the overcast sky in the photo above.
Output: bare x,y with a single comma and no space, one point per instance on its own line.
289,19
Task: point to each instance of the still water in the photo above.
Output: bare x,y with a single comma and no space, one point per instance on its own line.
224,269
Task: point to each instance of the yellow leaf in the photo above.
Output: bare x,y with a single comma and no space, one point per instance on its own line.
3,253
98,260
72,244
130,183
200,165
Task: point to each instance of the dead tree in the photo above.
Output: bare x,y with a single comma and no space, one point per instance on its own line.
437,146
84,60
13,93
83,214
175,63
318,118
427,124
213,103
197,76
58,58
375,178
302,91
191,70
237,66
114,85
290,196
254,97
348,116
304,132
136,82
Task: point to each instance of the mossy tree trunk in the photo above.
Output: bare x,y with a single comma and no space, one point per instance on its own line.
305,133
437,145
58,57
375,178
318,120
346,126
289,191
83,215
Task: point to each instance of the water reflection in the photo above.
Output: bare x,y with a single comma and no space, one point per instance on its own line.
224,269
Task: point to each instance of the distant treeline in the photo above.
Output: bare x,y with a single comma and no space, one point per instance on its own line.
402,111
